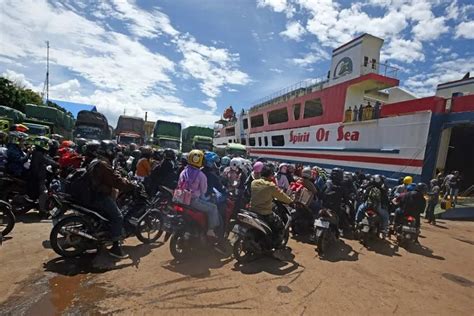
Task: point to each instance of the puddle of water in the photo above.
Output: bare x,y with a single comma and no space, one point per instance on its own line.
458,279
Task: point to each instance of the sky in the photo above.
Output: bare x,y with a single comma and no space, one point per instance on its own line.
187,60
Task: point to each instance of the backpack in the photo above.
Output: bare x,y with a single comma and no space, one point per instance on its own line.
80,186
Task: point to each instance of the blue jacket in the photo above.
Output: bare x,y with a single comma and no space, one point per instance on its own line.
15,160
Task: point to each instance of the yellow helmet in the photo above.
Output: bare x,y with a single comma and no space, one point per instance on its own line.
407,180
196,158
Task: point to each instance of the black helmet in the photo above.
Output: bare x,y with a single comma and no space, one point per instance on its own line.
158,154
91,148
132,147
377,180
136,154
169,154
107,149
337,175
421,187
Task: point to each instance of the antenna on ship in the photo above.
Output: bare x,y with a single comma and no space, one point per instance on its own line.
46,83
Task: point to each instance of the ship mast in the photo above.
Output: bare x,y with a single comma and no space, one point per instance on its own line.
47,72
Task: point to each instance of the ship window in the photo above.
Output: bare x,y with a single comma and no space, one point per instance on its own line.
297,111
260,141
266,140
313,108
366,61
252,141
230,140
278,140
374,63
243,141
246,123
257,120
278,116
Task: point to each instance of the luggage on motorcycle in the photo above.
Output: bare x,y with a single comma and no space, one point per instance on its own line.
446,204
80,186
182,196
299,193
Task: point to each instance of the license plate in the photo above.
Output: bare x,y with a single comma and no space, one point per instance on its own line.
319,232
54,211
320,223
408,229
365,229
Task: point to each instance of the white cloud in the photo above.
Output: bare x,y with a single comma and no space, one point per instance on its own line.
19,79
277,70
294,30
465,29
276,5
430,29
404,50
211,103
316,54
452,11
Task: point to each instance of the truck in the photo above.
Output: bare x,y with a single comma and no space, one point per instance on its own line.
232,150
60,122
167,135
197,137
130,129
91,125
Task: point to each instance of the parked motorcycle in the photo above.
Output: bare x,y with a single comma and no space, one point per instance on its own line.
188,228
326,231
253,237
7,219
369,226
406,231
302,220
88,229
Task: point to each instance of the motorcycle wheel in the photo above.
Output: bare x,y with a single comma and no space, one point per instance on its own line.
7,221
20,206
149,228
62,241
178,246
241,252
322,243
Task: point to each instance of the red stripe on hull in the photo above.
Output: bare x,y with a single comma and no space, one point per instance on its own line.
379,160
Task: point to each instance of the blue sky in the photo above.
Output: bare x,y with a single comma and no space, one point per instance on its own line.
186,60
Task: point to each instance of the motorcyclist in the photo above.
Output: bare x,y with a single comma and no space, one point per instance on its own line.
319,178
194,180
39,161
281,177
307,182
290,174
411,203
374,199
90,152
105,180
333,197
403,188
233,176
255,174
214,184
263,193
143,168
225,162
164,174
16,158
433,198
183,162
135,155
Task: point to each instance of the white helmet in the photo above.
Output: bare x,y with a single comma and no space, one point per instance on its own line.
236,163
306,173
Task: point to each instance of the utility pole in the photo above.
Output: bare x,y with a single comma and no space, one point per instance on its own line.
47,72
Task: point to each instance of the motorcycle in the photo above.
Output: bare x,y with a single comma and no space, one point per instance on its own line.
406,231
302,220
369,226
253,237
7,219
188,227
326,231
86,228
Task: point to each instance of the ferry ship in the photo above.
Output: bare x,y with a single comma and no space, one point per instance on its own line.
359,119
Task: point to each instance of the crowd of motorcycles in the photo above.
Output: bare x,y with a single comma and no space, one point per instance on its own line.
78,229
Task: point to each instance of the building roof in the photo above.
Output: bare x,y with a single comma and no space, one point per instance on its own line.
74,107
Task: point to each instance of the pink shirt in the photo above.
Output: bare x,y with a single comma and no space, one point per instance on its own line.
198,187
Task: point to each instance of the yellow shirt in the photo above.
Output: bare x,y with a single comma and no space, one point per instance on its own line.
263,193
143,168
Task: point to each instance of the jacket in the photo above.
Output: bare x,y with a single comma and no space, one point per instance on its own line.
197,186
163,174
39,161
263,193
105,179
15,160
143,168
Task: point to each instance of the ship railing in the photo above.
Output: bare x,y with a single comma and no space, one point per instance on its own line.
380,68
296,90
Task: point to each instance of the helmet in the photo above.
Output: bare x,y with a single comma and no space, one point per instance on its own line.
262,159
306,173
291,168
132,147
407,180
211,159
81,141
158,154
41,142
184,158
169,154
68,144
196,158
146,151
136,154
347,176
257,167
15,137
411,187
107,149
434,182
283,168
225,161
421,187
337,175
236,163
91,148
377,180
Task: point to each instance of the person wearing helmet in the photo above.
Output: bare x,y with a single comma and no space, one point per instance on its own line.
90,152
333,196
290,173
374,198
254,175
143,168
164,174
263,193
194,180
233,177
16,157
318,178
403,187
433,199
281,177
39,161
306,181
214,184
105,181
411,203
225,162
133,160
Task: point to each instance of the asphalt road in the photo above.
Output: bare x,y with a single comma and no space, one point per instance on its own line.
436,278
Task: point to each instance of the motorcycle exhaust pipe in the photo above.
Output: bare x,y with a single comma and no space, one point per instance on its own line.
81,233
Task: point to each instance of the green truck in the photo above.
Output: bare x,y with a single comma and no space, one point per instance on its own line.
167,135
197,137
58,121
